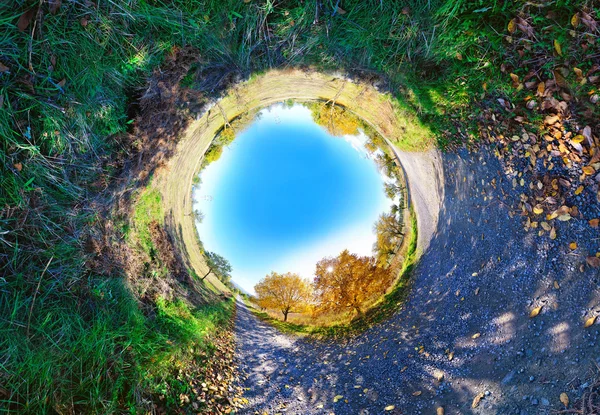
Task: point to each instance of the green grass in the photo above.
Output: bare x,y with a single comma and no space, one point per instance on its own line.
148,208
384,308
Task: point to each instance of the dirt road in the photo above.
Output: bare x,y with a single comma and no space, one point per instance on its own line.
465,330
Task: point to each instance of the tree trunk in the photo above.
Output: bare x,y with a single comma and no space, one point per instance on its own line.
206,275
285,314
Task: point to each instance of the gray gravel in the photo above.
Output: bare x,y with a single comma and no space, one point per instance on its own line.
520,365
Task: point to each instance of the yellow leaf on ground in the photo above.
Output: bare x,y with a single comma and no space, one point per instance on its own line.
589,170
564,398
440,411
476,335
573,245
337,398
594,223
512,26
590,322
578,139
579,190
389,407
575,20
538,210
557,47
477,399
553,233
535,311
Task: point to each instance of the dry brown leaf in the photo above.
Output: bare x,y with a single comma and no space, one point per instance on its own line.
439,410
559,79
3,68
477,399
535,312
515,79
594,222
556,286
340,10
564,399
553,233
26,18
62,82
590,322
417,393
593,261
54,6
18,166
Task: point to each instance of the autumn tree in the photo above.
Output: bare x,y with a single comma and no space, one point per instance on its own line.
389,232
284,292
337,120
347,281
217,265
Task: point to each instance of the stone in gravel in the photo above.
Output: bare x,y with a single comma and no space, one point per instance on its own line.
545,402
534,401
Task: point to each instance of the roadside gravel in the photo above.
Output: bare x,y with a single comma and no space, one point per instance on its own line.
465,329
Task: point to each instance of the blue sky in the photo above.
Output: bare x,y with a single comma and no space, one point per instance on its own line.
285,194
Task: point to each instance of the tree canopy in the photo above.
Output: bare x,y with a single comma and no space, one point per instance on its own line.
218,266
347,281
284,292
389,230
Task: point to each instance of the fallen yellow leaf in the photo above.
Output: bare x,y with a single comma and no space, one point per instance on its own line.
557,47
337,398
476,335
590,322
589,170
556,286
578,139
573,245
535,311
564,398
553,233
477,399
440,411
512,26
389,407
538,210
579,190
594,223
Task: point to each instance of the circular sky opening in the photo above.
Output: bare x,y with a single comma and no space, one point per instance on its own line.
284,192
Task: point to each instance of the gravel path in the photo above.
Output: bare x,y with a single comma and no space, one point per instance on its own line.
465,328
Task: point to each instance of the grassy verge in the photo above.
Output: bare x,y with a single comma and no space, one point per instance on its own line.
382,309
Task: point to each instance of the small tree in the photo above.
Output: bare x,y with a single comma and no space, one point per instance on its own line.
347,282
217,265
283,292
389,230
